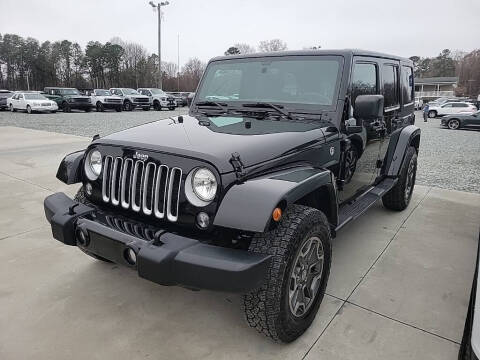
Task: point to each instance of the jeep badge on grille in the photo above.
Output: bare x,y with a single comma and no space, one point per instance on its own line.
140,156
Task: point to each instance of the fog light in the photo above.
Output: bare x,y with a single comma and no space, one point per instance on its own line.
203,220
131,256
88,189
82,237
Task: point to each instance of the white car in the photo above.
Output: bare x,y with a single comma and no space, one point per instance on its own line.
103,99
31,102
451,108
131,98
158,98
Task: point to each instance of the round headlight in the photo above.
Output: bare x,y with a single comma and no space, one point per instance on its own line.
204,184
93,165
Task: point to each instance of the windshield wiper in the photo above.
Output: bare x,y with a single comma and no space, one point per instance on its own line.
278,108
212,103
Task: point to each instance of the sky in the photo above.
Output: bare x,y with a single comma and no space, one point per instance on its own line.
207,28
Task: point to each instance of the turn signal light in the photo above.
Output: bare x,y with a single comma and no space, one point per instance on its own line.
277,214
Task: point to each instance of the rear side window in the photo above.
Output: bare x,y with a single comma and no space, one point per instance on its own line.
407,84
364,80
390,86
460,105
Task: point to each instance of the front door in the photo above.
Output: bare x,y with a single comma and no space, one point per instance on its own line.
365,146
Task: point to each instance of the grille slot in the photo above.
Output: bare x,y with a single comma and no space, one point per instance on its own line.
142,187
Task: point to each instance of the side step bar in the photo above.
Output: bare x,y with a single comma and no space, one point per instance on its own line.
357,207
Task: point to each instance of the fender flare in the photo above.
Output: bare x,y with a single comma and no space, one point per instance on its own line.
70,168
399,143
249,206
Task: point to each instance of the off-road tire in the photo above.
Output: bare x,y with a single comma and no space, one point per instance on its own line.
157,106
100,107
267,308
395,199
81,198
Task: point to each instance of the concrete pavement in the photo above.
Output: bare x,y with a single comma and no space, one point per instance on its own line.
398,289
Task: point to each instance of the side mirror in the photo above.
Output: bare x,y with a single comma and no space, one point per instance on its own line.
368,108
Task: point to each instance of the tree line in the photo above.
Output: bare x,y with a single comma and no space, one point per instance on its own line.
25,63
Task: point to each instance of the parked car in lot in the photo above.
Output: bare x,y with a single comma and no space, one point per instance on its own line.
180,98
448,108
418,103
31,102
103,99
4,95
159,99
245,193
131,98
190,98
68,99
459,121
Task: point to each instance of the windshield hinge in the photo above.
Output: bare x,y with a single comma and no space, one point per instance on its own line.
238,166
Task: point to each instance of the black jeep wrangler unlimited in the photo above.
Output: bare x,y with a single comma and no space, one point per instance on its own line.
243,194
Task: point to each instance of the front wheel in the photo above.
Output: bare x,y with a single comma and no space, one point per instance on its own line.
432,114
157,106
100,107
127,106
66,108
12,109
300,246
29,109
453,124
400,195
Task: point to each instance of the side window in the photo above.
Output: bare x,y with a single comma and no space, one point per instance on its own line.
407,84
447,106
390,85
364,80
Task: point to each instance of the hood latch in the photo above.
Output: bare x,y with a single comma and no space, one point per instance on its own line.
238,166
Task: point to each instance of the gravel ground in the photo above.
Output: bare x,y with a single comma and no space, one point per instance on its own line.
85,124
448,159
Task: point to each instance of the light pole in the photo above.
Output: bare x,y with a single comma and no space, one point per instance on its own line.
158,6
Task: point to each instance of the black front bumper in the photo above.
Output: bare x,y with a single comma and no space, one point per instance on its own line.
162,257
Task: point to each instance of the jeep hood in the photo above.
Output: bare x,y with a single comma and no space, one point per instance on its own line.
214,139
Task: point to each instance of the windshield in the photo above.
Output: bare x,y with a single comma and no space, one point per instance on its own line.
157,91
102,93
305,80
34,97
130,92
69,92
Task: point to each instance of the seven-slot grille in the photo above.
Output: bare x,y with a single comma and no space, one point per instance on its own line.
142,186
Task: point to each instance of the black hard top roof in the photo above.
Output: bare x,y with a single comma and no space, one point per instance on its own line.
341,52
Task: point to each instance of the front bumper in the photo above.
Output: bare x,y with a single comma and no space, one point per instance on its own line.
162,257
80,105
44,108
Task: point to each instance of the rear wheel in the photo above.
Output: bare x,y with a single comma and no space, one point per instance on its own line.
300,246
81,198
400,195
432,114
453,124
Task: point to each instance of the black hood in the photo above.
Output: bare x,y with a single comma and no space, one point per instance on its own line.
214,139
